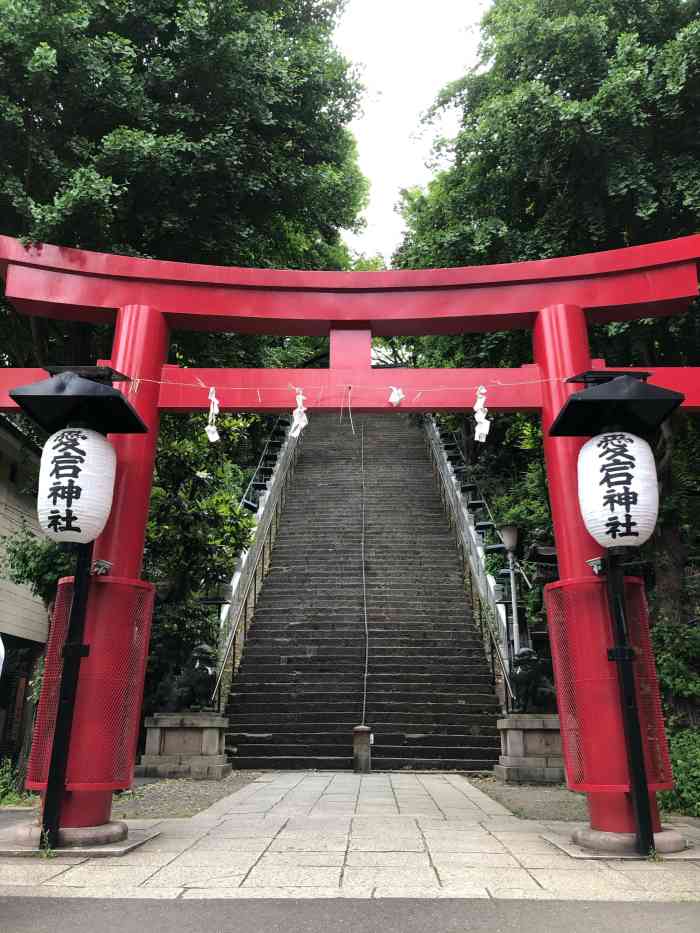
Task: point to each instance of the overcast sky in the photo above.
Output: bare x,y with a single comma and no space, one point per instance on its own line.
408,50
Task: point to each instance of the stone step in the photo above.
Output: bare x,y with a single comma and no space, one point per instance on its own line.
377,630
344,737
303,763
325,665
396,719
488,756
477,732
291,763
350,616
407,763
378,652
404,691
282,680
277,683
398,642
475,702
328,749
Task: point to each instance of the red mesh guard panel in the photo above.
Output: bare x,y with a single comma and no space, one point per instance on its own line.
587,687
110,689
656,754
42,740
563,663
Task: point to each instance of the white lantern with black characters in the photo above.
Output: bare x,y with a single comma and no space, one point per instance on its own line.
76,484
618,489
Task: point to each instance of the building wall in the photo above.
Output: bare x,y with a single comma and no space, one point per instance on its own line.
21,614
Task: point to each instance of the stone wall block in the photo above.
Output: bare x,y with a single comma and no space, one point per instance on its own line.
185,744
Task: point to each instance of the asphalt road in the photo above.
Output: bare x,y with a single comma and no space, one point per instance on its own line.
60,915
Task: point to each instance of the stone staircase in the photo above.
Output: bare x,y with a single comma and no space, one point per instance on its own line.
299,689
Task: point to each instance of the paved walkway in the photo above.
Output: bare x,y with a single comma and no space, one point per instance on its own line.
329,835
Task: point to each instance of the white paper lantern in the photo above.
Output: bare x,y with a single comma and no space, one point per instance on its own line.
76,484
617,489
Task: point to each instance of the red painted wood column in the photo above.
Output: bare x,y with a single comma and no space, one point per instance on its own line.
562,350
139,350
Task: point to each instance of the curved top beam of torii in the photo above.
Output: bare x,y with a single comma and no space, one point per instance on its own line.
641,281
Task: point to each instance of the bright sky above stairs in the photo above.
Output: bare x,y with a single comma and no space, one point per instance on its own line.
408,50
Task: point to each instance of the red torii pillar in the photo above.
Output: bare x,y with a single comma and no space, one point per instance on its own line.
554,298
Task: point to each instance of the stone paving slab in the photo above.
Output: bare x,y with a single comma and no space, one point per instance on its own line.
324,835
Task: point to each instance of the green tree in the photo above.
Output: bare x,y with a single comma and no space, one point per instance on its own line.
202,130
579,131
209,131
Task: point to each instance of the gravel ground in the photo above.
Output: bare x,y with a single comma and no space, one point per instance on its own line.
551,801
177,797
535,801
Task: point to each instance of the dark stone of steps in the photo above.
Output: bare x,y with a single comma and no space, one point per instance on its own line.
465,720
475,702
291,763
380,653
281,679
381,763
299,689
324,665
344,737
315,749
396,692
488,756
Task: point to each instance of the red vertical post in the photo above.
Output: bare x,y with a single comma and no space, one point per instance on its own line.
562,350
350,349
139,350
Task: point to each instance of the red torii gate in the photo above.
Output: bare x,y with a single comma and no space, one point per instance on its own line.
555,298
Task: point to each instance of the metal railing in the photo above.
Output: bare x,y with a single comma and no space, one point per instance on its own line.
489,613
252,567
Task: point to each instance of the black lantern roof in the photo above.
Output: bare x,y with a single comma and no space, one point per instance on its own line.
68,399
617,402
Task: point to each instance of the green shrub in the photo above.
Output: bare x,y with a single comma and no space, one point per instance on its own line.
10,792
685,756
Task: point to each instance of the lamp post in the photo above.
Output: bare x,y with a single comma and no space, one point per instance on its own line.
76,483
509,536
618,497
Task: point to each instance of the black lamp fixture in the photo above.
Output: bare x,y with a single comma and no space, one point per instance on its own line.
68,398
612,401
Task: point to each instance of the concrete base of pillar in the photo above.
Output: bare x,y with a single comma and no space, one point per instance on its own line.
665,842
69,837
197,767
530,750
187,744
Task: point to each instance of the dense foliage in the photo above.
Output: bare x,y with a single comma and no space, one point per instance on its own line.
685,754
198,130
183,129
579,131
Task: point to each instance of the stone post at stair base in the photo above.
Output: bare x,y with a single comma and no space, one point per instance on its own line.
530,750
188,744
362,749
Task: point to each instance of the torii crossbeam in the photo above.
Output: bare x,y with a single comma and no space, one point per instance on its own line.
555,298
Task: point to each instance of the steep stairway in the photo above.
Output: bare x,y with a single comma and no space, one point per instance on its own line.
299,689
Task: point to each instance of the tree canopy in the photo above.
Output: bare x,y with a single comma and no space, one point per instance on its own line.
207,131
579,131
